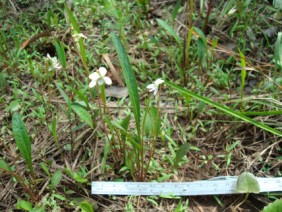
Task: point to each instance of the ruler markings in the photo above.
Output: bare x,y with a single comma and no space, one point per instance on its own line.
214,186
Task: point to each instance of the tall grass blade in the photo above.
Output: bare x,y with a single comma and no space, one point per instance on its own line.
129,78
224,109
22,139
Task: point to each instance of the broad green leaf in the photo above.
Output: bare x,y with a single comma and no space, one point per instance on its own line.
86,207
170,31
58,196
164,177
77,176
56,178
181,152
22,139
4,166
83,114
24,205
275,206
13,106
247,183
41,209
224,109
129,78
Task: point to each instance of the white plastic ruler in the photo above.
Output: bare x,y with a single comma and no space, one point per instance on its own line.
214,186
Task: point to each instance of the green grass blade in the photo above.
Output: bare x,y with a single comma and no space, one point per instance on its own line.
262,113
22,139
62,92
129,78
72,19
170,31
225,109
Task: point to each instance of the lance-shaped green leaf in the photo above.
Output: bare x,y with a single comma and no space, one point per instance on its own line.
56,178
181,152
61,53
4,166
83,114
129,78
22,139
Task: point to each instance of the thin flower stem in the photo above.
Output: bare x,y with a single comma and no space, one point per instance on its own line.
153,147
101,95
142,141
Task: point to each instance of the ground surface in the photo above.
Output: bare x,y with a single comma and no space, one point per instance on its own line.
218,143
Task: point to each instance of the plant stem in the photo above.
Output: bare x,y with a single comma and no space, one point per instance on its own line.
34,197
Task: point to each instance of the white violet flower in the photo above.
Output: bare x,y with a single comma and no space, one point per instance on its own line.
54,63
155,86
232,11
99,77
76,36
